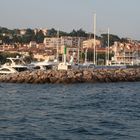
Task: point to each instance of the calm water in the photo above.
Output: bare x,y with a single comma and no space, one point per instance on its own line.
70,112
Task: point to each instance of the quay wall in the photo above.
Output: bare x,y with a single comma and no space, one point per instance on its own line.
73,76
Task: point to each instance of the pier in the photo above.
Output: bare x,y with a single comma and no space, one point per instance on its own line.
73,76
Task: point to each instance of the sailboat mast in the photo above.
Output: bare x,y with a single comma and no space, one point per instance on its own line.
57,55
78,50
94,60
108,48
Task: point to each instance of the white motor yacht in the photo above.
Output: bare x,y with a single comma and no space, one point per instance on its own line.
44,65
16,63
7,70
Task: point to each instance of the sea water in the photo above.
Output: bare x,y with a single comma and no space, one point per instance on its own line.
100,111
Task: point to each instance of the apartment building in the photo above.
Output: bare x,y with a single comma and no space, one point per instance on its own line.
64,40
89,44
126,53
71,43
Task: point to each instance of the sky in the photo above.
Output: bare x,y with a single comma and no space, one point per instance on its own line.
120,16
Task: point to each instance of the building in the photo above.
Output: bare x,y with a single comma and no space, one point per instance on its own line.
44,31
32,44
126,53
89,44
58,44
64,40
22,31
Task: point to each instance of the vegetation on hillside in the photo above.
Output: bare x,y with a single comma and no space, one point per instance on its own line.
8,36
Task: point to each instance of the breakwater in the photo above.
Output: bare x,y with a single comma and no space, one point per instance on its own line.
73,76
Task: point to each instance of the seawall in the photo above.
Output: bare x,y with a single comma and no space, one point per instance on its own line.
73,76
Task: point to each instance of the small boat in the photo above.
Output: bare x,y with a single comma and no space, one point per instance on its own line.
7,70
16,63
44,65
88,65
64,66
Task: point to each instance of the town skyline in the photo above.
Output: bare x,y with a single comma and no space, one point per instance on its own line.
120,16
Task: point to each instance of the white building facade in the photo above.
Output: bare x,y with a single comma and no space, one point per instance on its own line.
66,40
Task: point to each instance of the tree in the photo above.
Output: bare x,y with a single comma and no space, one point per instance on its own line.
39,37
61,33
112,39
81,33
78,33
73,33
29,32
6,39
4,55
124,40
52,32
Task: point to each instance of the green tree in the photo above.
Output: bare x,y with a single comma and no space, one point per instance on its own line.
112,39
81,33
39,37
52,33
73,33
4,55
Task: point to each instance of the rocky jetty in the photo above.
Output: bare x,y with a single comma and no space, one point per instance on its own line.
73,76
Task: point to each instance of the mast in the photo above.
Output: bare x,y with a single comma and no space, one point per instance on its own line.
57,55
86,55
108,47
94,60
78,50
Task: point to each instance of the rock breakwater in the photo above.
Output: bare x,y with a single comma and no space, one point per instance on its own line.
73,76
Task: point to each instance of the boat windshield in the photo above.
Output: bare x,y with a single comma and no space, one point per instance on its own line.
14,61
18,62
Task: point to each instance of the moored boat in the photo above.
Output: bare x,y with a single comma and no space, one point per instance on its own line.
16,63
7,70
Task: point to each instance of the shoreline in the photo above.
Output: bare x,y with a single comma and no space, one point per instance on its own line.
73,76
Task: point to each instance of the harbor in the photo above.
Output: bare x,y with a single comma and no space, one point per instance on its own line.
15,70
69,70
